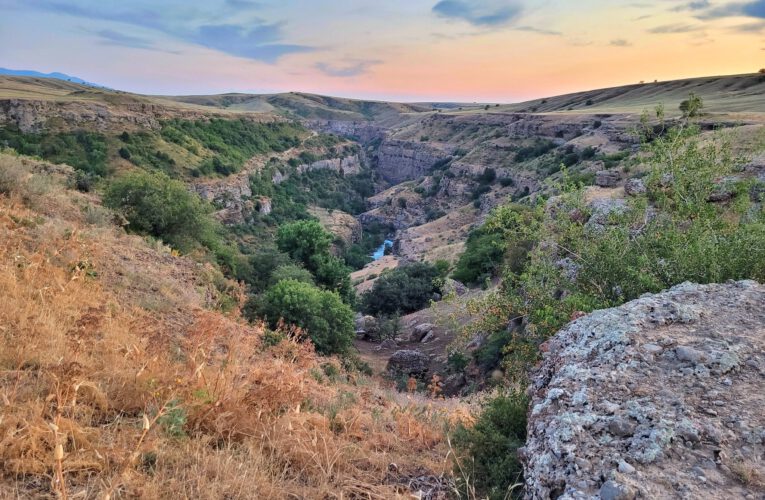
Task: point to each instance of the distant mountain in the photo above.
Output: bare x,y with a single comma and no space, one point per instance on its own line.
60,76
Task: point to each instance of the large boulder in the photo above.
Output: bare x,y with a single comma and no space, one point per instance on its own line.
408,362
606,178
367,327
420,331
453,286
659,398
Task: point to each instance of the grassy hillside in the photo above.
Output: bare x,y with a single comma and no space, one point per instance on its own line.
121,379
308,106
721,94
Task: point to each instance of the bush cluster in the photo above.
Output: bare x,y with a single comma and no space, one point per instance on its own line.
402,290
155,205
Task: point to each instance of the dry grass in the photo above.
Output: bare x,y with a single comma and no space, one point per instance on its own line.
102,398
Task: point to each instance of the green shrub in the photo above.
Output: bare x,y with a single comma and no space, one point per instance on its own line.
487,246
262,265
488,176
692,106
327,320
85,151
670,235
291,272
155,205
538,148
487,453
402,290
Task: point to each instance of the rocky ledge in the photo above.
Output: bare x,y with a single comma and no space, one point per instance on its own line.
659,398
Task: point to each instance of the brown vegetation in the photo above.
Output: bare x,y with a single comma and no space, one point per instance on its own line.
106,395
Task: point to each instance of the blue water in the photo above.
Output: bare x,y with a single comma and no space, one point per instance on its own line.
381,251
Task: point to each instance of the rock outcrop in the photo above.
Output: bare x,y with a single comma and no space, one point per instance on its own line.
659,398
399,161
341,224
232,198
350,165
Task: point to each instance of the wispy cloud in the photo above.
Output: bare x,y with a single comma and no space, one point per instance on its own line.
620,42
674,28
479,13
111,37
755,27
348,69
541,31
696,5
258,42
252,39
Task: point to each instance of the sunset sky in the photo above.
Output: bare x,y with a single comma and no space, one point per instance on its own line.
412,50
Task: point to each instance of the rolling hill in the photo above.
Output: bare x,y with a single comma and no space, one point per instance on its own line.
737,93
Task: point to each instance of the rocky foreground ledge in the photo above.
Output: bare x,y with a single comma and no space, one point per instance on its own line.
663,397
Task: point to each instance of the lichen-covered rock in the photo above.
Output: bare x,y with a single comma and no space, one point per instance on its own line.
659,398
408,362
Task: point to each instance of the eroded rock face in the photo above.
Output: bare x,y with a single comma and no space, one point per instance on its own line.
231,196
659,398
349,165
400,161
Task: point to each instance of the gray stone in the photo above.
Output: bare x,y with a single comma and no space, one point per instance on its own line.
453,286
619,426
641,410
387,345
430,337
652,348
606,178
453,384
625,468
689,354
634,187
611,490
420,331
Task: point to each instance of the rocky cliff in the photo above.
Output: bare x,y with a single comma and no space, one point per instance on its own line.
659,398
350,165
399,161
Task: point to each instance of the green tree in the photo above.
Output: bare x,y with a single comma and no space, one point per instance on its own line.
332,274
291,272
302,240
326,318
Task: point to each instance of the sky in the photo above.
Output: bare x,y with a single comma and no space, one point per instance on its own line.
405,50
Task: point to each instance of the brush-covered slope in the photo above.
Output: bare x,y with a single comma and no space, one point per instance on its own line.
120,376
